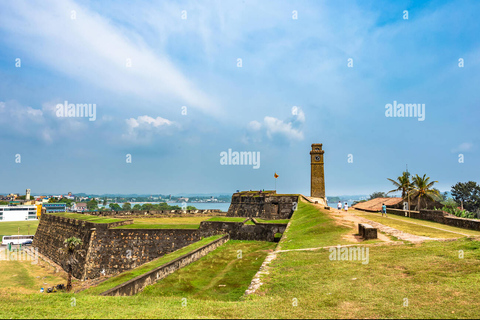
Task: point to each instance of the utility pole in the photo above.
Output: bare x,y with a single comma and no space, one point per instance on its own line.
408,191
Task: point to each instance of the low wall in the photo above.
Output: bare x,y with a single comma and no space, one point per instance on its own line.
137,284
440,217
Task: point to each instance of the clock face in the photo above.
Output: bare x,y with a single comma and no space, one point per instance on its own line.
317,158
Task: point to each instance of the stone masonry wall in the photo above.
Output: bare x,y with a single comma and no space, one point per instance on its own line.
440,217
241,231
117,250
265,205
108,251
52,232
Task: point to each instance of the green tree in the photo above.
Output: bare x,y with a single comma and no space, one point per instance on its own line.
137,207
468,193
378,195
115,207
423,189
402,183
92,205
70,260
127,206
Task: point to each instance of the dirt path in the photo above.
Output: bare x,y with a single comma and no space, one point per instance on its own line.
342,216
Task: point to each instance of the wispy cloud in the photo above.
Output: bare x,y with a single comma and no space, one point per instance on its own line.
463,147
92,48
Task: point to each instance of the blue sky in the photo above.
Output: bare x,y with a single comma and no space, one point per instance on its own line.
77,51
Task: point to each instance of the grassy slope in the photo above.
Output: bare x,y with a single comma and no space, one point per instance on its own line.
272,221
416,226
21,276
221,275
312,228
127,275
8,228
158,226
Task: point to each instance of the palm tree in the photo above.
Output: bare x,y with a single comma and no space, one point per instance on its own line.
423,188
70,249
403,184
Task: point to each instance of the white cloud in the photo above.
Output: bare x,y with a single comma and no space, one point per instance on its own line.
463,147
254,125
144,129
275,126
42,124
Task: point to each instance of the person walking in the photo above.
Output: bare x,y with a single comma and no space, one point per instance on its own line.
339,206
345,206
384,210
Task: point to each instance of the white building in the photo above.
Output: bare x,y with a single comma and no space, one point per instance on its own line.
18,213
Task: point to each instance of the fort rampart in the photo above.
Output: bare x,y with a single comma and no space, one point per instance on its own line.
267,205
108,249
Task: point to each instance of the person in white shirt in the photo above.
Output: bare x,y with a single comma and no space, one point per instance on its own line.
345,206
339,206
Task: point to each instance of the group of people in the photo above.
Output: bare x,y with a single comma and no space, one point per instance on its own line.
345,207
339,206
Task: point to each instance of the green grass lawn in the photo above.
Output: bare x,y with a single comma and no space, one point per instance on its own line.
284,221
417,226
23,277
170,220
228,219
86,217
158,226
8,228
127,275
436,282
165,223
312,228
222,275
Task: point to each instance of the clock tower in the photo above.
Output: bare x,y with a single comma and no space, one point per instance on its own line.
317,178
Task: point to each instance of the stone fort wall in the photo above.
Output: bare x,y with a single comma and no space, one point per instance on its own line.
107,251
266,205
440,217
